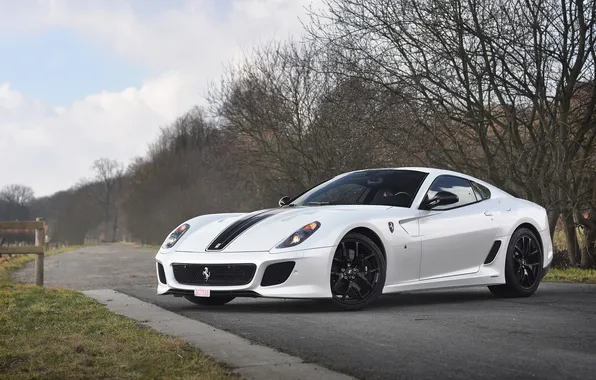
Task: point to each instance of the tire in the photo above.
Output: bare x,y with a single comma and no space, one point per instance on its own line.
209,301
357,273
523,266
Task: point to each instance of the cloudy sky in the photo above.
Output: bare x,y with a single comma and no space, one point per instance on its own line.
84,79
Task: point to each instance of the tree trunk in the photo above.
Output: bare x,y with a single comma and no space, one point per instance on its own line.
571,236
553,216
106,226
587,252
115,227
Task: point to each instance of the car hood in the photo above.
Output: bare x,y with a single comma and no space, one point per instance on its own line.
264,229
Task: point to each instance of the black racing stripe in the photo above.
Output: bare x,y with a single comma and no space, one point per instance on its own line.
238,227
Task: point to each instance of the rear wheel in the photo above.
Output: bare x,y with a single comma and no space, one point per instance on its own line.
357,272
523,266
209,301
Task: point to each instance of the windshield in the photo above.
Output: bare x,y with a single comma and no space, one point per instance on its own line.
371,187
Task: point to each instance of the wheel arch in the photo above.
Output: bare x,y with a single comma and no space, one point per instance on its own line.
372,235
535,231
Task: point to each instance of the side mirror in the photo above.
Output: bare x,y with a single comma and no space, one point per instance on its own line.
284,201
442,198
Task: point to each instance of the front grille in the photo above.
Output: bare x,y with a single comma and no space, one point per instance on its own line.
277,273
161,273
214,274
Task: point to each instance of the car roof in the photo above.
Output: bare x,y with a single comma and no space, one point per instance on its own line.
419,169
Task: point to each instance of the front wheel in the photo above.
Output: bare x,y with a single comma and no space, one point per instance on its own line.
523,266
357,272
209,301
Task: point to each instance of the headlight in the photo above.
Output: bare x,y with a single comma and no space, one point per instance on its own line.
300,235
175,236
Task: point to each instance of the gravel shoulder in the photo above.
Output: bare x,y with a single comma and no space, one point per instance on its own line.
106,266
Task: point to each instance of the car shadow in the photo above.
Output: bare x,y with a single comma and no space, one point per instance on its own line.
385,302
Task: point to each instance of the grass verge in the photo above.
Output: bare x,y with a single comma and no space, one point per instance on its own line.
585,276
61,334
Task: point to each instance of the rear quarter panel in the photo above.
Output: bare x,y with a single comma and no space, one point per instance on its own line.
517,212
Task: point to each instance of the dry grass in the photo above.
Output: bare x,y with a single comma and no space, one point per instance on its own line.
152,247
560,241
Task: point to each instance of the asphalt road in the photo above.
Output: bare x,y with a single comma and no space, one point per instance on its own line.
456,334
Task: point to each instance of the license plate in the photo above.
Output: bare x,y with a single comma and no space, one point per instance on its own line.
202,293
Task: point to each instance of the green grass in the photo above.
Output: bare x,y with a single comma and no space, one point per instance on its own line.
61,334
586,276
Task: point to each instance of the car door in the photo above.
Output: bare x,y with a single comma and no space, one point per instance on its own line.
455,238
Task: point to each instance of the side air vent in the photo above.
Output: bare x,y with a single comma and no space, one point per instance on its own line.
161,273
277,273
493,252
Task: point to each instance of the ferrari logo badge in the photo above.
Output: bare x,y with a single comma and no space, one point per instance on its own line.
206,274
217,245
391,228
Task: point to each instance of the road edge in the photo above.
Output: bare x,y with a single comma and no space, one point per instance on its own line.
250,360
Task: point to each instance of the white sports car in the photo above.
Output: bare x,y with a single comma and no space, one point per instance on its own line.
361,234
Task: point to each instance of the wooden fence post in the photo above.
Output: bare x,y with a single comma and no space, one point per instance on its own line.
39,242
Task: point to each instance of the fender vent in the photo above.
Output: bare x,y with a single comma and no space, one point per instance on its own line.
161,273
277,273
493,252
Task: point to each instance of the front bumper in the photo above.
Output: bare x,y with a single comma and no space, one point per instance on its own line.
308,279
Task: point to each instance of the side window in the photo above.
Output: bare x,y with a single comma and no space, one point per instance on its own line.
482,191
458,186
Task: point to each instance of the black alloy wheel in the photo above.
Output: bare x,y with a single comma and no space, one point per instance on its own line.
526,261
209,301
357,272
523,266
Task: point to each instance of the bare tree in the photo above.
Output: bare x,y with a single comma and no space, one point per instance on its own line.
17,194
501,89
16,199
108,177
78,214
298,122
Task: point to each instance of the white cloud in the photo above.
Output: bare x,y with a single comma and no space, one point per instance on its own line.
9,99
50,148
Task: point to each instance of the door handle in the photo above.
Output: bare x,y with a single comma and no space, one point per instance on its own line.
489,213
